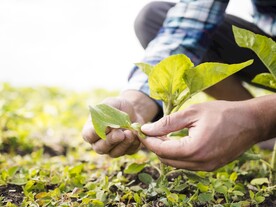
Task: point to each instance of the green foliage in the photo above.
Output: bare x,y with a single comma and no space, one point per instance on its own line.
44,161
166,79
175,79
77,176
207,74
264,47
134,168
265,79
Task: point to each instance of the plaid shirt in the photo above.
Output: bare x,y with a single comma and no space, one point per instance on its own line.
187,29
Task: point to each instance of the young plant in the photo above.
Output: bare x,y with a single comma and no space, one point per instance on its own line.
265,49
173,81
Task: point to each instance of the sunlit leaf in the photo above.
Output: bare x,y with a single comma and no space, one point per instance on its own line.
173,197
259,181
265,79
207,74
12,170
29,185
137,198
165,80
134,168
104,116
146,68
264,47
259,199
234,176
203,188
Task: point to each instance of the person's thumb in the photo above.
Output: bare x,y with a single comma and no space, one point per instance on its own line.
166,125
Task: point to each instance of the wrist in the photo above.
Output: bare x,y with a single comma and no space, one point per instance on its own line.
143,105
265,114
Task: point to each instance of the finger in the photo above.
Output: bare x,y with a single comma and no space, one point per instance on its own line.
123,147
104,147
88,132
171,149
170,123
191,165
136,145
115,136
194,166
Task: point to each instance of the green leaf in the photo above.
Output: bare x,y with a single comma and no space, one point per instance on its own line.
180,187
259,199
97,203
145,178
134,168
264,47
137,198
76,170
172,197
207,74
165,79
238,193
235,205
203,188
146,68
205,197
251,194
234,176
259,181
221,189
29,185
265,79
104,116
12,171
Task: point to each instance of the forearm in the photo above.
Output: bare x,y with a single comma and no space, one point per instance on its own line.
143,104
265,111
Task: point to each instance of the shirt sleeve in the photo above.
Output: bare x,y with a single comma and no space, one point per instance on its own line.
264,16
187,29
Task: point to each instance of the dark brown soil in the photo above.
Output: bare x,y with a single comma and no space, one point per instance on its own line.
12,193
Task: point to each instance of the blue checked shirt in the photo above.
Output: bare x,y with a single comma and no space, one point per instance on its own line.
188,28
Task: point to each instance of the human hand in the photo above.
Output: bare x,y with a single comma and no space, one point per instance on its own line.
118,141
219,132
140,109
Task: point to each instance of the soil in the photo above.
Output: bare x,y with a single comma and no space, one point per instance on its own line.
12,193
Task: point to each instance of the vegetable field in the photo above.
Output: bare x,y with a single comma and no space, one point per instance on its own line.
45,162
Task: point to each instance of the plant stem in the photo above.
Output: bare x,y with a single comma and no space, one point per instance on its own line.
167,109
183,100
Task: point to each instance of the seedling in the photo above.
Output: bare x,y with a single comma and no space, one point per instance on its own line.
173,81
